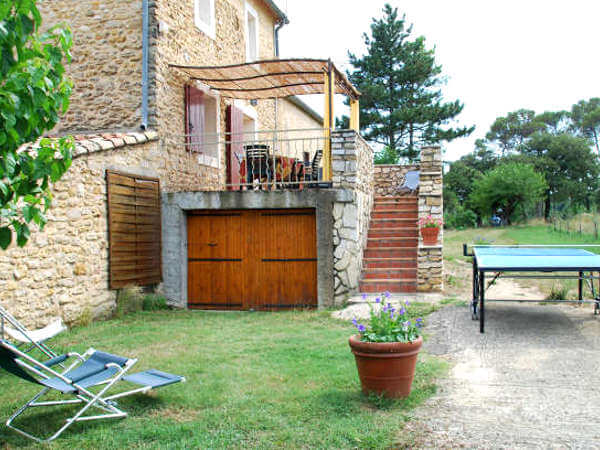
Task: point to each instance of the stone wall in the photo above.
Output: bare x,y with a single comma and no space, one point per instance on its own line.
352,164
63,269
106,68
389,177
430,262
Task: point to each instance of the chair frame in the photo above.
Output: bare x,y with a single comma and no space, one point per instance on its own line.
83,395
5,316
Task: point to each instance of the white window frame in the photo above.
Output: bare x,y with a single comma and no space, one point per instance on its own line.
207,28
250,11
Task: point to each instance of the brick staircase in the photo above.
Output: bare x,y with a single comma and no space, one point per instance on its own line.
390,258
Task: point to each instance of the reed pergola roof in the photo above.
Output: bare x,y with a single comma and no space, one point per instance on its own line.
271,78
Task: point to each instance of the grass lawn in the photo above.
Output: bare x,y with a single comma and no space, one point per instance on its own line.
534,234
258,380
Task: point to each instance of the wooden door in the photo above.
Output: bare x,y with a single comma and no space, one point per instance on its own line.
252,259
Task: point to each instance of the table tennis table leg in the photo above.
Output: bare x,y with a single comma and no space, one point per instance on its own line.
481,301
475,298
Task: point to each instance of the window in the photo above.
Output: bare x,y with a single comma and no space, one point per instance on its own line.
204,16
201,126
251,34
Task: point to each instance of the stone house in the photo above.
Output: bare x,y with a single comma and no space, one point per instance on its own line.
148,199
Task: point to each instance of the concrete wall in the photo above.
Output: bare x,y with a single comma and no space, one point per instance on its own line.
175,206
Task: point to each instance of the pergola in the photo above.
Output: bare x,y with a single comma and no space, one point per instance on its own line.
280,78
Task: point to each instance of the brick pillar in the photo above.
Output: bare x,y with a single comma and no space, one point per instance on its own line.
430,261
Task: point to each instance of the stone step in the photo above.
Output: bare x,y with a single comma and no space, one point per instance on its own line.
404,241
394,206
389,263
382,285
395,214
391,252
394,232
392,223
390,273
397,199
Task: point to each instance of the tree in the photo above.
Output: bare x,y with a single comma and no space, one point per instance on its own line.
33,91
509,133
568,165
586,120
401,103
508,188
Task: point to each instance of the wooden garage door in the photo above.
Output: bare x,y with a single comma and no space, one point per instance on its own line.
259,259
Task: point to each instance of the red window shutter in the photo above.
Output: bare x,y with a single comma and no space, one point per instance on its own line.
234,147
194,118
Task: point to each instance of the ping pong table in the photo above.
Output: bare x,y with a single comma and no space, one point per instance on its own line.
532,261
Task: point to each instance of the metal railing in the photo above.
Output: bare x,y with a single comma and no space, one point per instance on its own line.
263,159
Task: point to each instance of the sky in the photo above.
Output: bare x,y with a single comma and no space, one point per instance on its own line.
498,56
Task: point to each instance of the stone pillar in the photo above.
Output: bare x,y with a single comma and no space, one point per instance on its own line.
352,165
430,258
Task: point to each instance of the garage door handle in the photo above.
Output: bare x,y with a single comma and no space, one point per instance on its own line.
212,244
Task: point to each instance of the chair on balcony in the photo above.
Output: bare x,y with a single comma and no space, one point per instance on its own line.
257,163
314,173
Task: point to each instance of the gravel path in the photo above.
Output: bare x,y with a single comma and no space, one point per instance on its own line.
531,381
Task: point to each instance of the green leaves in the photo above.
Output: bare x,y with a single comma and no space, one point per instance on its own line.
33,92
5,237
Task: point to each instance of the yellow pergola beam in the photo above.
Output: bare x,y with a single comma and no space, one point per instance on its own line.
354,115
328,120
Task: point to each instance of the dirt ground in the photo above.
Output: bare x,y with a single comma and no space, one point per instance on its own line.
531,381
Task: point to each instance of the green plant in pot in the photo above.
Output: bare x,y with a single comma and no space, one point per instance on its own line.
386,348
430,229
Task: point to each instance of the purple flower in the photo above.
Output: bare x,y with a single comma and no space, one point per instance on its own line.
406,302
387,294
419,322
364,296
385,308
389,305
408,323
392,314
378,300
355,322
402,311
361,328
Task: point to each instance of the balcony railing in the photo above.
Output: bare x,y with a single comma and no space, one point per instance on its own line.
265,159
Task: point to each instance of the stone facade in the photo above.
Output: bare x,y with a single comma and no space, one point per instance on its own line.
63,269
430,262
106,68
352,164
389,177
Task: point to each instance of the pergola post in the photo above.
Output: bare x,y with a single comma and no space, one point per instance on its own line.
354,115
328,117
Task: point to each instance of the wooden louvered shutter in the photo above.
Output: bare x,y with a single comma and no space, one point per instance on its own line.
134,225
234,147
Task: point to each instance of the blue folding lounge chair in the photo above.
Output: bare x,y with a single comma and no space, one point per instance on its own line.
411,182
93,368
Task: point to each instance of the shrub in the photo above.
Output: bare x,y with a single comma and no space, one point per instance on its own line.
460,217
558,292
154,302
129,299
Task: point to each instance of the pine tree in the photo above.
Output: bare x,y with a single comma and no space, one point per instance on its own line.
401,105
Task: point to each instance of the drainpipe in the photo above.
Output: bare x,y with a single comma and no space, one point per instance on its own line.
145,15
278,27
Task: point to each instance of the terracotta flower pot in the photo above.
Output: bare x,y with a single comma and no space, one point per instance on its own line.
430,235
386,367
